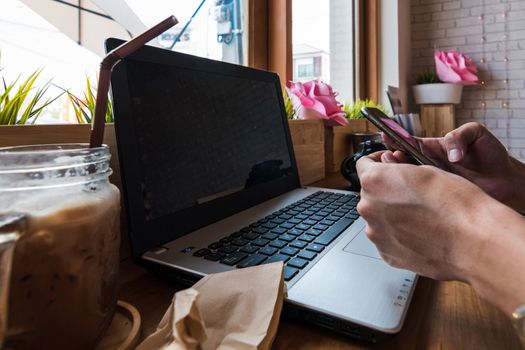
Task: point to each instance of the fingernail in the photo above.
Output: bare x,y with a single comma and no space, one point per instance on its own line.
388,158
454,155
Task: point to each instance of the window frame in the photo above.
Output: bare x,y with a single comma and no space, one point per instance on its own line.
270,42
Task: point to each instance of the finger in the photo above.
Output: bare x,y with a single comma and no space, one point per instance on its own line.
401,157
388,157
389,142
376,156
457,141
366,162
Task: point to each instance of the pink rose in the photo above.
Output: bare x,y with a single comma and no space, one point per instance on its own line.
316,100
453,67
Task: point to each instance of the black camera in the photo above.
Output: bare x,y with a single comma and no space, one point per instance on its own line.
348,169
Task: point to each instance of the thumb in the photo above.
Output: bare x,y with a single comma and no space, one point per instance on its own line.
457,141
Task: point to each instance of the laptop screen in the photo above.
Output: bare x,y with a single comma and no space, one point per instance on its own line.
198,141
203,135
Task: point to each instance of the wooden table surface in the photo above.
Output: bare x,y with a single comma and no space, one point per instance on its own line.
442,315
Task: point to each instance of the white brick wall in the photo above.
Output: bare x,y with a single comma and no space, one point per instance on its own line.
456,24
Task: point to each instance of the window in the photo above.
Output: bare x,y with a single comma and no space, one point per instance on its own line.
305,70
65,38
323,34
207,28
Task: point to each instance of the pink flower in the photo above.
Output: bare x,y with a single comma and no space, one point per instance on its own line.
316,100
453,67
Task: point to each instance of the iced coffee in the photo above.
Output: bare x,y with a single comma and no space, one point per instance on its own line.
64,275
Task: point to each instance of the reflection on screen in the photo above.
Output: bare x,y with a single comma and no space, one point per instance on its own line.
203,136
398,129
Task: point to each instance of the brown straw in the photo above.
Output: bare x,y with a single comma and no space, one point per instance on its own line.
107,64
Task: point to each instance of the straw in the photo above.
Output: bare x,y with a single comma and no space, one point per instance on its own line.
107,64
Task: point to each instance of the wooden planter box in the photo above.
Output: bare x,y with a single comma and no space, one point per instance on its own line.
308,144
338,141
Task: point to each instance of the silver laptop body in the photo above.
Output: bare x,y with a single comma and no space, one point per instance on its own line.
205,150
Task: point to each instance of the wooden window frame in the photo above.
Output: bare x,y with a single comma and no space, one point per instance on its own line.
270,42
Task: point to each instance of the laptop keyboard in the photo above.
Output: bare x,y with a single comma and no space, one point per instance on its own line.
294,234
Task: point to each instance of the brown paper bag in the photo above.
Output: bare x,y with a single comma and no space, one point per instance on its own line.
239,309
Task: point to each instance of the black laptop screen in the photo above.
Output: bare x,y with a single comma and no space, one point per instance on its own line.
203,136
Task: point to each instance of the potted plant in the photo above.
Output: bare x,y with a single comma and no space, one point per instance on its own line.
453,71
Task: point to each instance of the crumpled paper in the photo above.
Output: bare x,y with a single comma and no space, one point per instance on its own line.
238,309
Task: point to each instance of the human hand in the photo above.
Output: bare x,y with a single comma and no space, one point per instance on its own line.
416,216
442,226
472,152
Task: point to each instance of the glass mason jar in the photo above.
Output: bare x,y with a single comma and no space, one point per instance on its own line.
63,285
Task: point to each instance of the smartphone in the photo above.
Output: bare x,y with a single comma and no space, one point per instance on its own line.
400,136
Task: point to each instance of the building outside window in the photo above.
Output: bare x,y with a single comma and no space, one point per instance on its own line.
323,46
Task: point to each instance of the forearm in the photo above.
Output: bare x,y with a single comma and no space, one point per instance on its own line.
497,271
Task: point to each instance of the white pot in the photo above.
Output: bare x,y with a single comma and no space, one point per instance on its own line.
437,93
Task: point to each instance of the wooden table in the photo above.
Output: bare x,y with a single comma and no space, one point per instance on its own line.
443,315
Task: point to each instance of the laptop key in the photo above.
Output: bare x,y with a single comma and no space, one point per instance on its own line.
297,262
260,242
276,258
250,235
236,234
287,238
233,258
201,252
278,244
289,251
269,225
352,216
268,250
305,254
215,246
287,225
316,217
310,222
240,242
278,230
314,232
301,216
278,221
270,236
333,232
214,256
306,238
321,227
293,221
315,247
303,226
298,244
289,273
250,249
252,260
285,216
227,249
328,222
226,239
295,231
246,229
260,230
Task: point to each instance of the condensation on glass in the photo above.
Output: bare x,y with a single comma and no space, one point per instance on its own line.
63,285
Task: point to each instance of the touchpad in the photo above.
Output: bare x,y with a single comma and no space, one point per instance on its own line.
361,245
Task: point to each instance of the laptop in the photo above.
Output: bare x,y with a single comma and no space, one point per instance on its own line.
210,184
